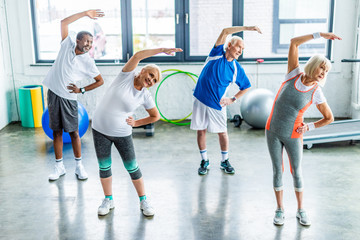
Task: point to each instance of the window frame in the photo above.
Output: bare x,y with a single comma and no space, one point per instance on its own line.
182,33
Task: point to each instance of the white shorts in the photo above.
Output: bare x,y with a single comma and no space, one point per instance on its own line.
204,117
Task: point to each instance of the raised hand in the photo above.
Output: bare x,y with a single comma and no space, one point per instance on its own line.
254,28
171,51
95,13
330,36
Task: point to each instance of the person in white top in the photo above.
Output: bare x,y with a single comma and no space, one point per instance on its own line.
112,123
72,64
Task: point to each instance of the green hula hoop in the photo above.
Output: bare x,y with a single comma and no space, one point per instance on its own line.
176,71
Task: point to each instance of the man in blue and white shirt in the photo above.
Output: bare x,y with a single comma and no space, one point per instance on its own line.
209,109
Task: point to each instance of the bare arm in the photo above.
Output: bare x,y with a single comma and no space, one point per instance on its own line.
154,116
293,56
241,93
93,14
98,82
226,31
327,118
140,55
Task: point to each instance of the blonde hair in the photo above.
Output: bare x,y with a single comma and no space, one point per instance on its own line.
232,41
156,67
313,63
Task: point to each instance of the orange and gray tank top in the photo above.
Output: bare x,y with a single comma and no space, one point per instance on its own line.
288,108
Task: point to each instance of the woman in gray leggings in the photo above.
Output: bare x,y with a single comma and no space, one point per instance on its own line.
112,123
285,126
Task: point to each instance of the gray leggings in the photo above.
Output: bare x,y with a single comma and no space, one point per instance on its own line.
124,146
294,148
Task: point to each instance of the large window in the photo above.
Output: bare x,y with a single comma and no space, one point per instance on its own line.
295,18
194,25
107,32
281,20
206,19
153,24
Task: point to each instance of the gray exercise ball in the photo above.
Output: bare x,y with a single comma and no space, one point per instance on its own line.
256,106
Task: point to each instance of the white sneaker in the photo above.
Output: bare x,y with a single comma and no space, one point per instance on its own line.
80,172
303,218
146,208
279,217
105,206
59,170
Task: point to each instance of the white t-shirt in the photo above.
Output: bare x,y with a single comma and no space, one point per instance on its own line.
318,95
69,68
118,103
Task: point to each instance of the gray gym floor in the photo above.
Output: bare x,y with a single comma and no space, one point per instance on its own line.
188,206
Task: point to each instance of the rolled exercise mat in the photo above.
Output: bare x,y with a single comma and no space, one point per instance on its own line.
31,100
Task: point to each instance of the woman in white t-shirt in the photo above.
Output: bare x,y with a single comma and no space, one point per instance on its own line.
112,123
285,126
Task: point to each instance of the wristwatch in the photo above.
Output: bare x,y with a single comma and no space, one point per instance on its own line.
233,98
82,90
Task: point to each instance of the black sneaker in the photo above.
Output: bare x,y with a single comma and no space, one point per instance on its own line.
203,169
226,166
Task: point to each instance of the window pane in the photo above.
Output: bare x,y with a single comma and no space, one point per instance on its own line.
153,24
260,13
288,31
295,19
106,31
295,9
207,19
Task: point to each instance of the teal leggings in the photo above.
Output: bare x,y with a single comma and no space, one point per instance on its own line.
125,147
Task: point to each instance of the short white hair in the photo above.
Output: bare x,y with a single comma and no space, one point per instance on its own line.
156,67
313,63
232,41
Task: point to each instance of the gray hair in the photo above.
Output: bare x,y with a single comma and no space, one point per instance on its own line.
156,67
232,41
313,63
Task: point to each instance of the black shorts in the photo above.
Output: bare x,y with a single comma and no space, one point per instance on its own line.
63,113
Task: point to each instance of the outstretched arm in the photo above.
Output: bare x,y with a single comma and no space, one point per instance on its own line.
226,31
140,55
293,57
93,14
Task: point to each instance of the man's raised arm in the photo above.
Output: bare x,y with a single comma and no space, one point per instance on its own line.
230,30
93,14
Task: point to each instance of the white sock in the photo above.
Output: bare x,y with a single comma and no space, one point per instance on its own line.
203,154
59,161
78,161
224,155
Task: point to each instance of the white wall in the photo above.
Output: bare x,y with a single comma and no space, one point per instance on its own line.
355,100
173,104
7,98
